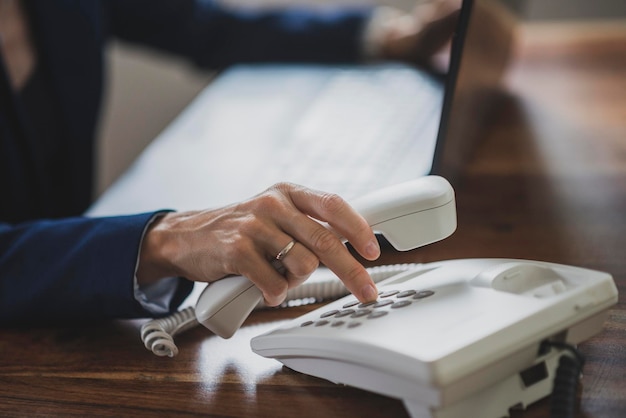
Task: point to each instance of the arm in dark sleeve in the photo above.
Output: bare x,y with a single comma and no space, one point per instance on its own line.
72,270
215,36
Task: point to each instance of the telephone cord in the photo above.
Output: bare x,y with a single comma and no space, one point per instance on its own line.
568,372
158,334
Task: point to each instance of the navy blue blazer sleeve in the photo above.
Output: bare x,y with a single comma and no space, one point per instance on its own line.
215,36
72,270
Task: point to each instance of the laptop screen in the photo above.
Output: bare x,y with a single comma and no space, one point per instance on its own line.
447,152
480,54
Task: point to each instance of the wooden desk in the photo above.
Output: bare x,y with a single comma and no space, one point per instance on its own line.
548,183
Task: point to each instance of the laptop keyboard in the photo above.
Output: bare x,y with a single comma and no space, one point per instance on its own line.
380,126
347,130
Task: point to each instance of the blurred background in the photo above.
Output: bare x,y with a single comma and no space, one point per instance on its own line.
147,90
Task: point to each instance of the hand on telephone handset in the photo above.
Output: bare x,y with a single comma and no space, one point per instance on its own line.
408,215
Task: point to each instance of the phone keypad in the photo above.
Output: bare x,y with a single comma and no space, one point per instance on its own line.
370,310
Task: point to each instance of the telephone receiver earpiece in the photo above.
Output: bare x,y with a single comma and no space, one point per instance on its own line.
409,215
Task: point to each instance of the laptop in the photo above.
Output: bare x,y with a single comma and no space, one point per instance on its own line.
342,129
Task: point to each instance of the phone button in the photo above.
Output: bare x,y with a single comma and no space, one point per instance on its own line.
351,304
389,293
345,312
423,294
406,294
401,304
360,313
329,313
377,314
382,303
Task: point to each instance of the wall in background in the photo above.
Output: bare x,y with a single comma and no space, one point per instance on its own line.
145,93
568,9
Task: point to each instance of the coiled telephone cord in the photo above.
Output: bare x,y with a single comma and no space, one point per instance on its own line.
158,334
566,379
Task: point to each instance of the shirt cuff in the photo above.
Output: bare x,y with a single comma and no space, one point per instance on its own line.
155,297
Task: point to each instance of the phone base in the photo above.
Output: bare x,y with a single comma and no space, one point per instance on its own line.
457,338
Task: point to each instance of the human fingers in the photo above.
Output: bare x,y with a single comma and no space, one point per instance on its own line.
295,262
240,239
272,282
244,238
339,215
290,209
251,244
324,243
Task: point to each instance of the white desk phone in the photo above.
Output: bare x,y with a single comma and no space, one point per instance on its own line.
456,338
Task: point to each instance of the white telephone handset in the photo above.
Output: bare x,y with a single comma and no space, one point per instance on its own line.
408,215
